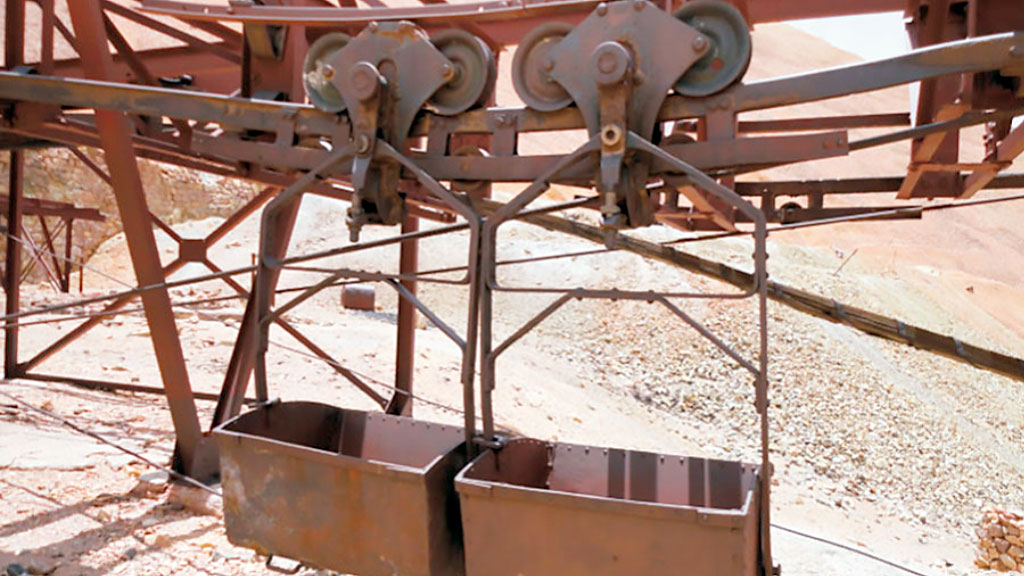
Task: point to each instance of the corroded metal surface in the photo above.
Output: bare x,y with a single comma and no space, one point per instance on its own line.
404,126
553,509
356,492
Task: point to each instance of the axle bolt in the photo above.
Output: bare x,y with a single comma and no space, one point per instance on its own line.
327,71
1016,51
700,44
365,81
639,5
373,26
448,71
611,62
602,9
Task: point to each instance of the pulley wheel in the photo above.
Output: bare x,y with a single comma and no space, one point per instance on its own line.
317,73
473,77
728,54
532,65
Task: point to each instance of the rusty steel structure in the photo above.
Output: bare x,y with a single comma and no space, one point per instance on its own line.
392,109
52,256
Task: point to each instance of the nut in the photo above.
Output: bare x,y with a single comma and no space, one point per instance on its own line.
611,135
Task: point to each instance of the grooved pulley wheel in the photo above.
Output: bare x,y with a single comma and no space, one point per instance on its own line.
728,55
317,72
532,65
473,76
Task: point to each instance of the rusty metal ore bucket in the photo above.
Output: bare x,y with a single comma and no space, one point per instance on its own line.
351,491
549,509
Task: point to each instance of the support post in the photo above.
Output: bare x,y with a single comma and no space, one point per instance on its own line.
192,456
243,357
14,55
12,266
69,224
401,401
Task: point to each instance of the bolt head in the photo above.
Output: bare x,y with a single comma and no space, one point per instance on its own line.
364,80
611,62
373,26
602,9
448,71
1016,51
639,5
327,71
700,44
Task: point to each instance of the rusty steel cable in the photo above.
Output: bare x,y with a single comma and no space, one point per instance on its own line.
451,269
303,353
249,269
376,382
136,290
848,548
195,483
66,422
447,407
189,306
186,303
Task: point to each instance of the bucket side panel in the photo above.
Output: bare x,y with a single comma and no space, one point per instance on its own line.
337,517
510,537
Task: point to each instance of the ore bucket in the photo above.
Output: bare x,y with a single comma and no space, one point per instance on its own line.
350,491
550,509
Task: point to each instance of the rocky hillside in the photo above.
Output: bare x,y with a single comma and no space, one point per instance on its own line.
175,195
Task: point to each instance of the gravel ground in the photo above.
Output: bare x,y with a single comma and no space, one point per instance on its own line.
870,431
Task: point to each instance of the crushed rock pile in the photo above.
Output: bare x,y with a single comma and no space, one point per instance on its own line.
1000,544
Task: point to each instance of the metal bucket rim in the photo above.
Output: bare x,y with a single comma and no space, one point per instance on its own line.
732,517
336,459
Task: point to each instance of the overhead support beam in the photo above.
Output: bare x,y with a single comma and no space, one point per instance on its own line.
763,11
229,49
972,55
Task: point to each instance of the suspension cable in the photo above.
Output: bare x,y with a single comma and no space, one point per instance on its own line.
196,484
57,417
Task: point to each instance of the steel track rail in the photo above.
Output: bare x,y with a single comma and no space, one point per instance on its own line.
981,54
